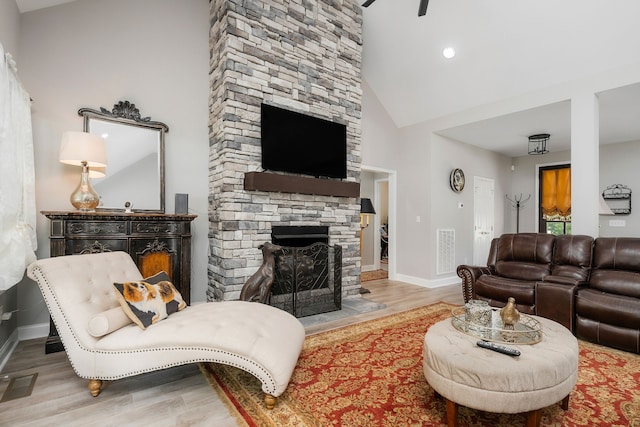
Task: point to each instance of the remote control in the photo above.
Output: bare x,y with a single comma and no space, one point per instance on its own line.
499,348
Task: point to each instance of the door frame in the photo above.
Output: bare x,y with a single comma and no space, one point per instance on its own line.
391,177
377,245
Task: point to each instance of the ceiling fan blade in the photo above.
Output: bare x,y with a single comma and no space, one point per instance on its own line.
422,10
367,3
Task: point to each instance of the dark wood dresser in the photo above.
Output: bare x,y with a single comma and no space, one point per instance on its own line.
155,241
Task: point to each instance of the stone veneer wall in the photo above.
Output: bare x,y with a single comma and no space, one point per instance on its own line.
298,54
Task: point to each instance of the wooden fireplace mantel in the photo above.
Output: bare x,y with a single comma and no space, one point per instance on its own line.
268,181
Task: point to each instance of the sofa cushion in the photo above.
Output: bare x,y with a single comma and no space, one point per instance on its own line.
607,308
498,288
616,282
616,253
572,257
149,300
524,256
517,270
615,266
108,321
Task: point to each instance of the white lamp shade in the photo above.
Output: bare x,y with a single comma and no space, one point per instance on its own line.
98,172
78,147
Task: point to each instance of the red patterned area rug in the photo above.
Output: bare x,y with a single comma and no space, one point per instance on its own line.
370,374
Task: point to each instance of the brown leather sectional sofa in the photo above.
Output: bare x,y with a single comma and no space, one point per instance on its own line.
591,286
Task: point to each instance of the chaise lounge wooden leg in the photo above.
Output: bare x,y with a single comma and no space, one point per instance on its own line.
95,386
270,401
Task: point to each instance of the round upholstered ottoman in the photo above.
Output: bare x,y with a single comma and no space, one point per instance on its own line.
465,374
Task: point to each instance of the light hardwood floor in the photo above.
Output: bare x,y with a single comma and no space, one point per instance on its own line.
173,397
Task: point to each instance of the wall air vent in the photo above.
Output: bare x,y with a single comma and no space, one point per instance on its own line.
446,255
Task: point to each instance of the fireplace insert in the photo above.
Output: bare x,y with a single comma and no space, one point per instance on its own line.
308,271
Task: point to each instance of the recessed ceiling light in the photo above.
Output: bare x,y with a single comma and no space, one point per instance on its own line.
448,52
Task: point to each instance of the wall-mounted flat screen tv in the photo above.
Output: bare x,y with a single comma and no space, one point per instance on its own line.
299,143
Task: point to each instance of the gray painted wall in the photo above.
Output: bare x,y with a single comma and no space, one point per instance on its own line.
95,53
619,165
523,182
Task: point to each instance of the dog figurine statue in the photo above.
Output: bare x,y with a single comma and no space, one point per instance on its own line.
258,286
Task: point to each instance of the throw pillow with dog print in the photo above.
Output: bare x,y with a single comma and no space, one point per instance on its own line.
149,300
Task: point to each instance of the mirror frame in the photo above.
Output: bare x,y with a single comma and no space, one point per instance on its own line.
126,113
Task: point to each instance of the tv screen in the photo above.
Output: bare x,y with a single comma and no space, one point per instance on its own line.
298,143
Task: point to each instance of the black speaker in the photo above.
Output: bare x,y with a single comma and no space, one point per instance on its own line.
182,203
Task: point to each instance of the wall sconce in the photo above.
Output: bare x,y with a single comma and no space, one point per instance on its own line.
366,210
86,150
538,144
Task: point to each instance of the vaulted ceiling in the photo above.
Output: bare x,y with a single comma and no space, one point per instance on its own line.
505,49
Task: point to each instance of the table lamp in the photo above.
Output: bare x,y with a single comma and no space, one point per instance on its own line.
86,150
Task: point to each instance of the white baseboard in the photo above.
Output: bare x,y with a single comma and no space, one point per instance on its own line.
426,283
369,267
7,348
22,333
30,332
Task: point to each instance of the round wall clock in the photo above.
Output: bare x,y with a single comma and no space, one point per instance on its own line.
456,180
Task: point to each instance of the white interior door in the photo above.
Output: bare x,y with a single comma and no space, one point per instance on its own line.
483,217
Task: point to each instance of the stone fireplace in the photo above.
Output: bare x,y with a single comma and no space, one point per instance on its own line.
304,56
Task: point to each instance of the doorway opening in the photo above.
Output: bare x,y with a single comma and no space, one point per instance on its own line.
379,252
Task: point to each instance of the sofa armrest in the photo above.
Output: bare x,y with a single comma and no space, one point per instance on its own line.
556,300
564,280
469,275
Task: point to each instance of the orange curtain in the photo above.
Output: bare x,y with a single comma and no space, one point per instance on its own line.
556,193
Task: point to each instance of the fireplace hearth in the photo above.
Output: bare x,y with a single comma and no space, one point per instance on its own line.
308,271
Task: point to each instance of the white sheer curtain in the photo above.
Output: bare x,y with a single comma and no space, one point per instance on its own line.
17,177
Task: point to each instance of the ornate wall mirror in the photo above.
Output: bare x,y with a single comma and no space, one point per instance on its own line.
135,156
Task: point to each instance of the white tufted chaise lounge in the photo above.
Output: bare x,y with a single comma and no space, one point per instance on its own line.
260,339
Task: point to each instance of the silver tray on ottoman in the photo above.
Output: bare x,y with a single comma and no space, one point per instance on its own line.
527,331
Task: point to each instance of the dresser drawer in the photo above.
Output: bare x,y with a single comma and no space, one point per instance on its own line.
95,228
152,227
88,246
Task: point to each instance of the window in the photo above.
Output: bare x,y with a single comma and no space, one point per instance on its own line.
555,199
